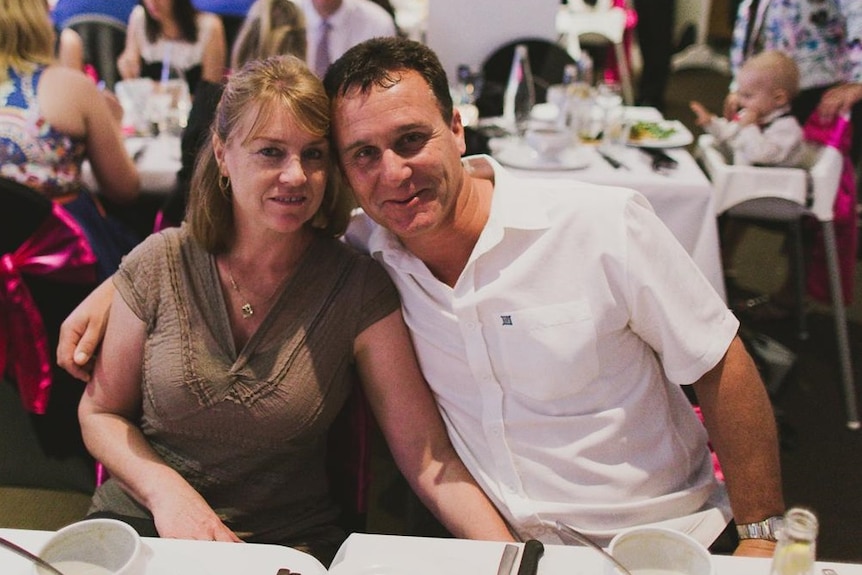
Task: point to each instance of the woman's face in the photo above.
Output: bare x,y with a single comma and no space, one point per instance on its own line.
278,173
160,10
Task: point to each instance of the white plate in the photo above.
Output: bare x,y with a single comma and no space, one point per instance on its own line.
680,137
520,155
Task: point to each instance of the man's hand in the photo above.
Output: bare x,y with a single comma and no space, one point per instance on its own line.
755,548
82,332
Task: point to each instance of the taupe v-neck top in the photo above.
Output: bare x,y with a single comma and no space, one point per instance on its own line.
247,428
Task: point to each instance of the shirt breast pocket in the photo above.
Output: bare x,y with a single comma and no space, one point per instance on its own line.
549,352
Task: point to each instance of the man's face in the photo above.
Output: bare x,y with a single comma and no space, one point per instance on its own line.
326,7
401,158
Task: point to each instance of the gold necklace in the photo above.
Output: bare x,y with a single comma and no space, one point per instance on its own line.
246,308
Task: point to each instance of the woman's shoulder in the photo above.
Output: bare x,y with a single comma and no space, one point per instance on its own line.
208,22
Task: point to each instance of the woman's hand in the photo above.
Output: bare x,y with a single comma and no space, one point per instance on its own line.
186,515
838,101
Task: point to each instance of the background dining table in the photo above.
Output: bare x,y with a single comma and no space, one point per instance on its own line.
682,197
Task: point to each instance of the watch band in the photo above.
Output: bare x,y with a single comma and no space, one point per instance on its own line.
767,529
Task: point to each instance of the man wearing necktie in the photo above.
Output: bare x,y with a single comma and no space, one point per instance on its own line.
334,26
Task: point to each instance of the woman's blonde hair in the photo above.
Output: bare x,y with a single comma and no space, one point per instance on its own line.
272,27
278,82
26,35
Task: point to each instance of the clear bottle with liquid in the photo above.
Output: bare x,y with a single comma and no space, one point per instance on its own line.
520,94
796,549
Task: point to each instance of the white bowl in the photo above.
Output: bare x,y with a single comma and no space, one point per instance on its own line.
659,551
548,142
95,547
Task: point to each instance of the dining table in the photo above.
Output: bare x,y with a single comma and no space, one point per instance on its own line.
157,159
370,554
681,195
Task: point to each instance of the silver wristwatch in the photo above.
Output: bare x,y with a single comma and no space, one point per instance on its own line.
767,529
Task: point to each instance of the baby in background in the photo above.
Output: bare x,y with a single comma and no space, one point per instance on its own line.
764,132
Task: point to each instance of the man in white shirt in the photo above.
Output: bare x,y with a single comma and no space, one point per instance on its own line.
349,22
555,322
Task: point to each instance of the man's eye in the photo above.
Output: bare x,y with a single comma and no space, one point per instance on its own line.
365,154
411,143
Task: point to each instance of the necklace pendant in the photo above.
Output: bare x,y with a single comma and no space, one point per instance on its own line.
247,310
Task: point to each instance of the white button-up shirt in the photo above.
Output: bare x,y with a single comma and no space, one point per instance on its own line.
557,357
354,22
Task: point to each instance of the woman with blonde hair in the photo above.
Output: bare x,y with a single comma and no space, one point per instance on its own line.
272,27
52,117
232,343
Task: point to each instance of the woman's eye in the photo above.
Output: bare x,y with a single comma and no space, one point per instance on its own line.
270,152
314,154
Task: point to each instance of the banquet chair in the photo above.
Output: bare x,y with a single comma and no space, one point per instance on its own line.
778,194
104,39
547,62
46,269
348,459
598,26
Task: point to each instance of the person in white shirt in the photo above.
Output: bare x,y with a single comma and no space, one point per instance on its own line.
554,321
763,132
350,22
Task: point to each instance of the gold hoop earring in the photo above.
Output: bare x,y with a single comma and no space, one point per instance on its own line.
224,185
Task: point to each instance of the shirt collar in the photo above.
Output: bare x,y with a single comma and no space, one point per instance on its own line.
511,208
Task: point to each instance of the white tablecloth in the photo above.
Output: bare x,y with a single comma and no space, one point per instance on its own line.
157,160
364,554
177,557
682,198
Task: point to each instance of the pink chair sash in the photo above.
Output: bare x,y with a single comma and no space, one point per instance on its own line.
836,134
58,250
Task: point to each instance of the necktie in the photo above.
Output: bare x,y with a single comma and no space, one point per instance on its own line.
322,59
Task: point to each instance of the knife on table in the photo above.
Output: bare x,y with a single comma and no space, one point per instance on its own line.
533,551
615,163
507,561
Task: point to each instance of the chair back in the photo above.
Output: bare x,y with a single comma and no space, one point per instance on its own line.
46,269
547,62
104,39
348,459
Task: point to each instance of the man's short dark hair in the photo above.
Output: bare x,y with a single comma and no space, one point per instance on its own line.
377,62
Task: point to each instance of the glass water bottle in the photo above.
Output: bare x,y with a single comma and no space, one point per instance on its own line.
796,548
520,95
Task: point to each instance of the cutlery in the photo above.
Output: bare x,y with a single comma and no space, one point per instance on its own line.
507,561
533,551
828,571
31,556
615,163
139,153
582,538
661,162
